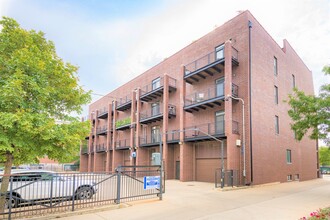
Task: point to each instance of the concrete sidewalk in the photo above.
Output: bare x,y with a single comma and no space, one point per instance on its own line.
197,200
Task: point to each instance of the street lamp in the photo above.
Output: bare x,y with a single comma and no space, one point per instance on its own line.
243,133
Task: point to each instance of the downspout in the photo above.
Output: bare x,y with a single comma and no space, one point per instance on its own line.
250,96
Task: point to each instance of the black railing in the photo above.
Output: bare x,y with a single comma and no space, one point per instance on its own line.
125,143
230,178
209,93
199,131
149,140
101,147
207,60
157,111
123,101
84,149
103,111
102,130
173,136
40,193
154,86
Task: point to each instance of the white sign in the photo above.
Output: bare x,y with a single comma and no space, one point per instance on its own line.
151,182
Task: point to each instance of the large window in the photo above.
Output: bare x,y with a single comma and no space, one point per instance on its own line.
220,87
155,108
288,156
220,122
277,125
220,52
155,83
276,94
275,66
155,134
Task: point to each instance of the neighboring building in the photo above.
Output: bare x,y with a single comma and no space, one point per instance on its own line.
188,90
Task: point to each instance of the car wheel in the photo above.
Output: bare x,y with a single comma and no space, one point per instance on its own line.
13,203
84,193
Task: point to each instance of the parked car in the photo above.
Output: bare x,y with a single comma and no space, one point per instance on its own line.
40,186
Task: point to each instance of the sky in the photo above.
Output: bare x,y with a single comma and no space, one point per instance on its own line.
113,41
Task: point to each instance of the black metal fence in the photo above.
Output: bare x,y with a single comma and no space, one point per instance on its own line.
40,192
229,178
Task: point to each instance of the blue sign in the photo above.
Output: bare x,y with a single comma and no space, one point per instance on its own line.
151,182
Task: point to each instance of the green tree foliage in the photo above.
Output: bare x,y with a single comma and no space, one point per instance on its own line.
38,91
311,113
324,156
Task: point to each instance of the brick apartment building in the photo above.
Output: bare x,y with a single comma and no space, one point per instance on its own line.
187,92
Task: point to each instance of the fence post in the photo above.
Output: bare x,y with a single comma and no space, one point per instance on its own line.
10,197
51,192
73,191
118,184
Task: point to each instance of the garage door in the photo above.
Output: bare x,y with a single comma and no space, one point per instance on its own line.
205,169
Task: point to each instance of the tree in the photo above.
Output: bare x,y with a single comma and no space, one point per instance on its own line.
324,156
38,92
311,113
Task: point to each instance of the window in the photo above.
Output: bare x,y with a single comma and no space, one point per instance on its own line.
220,122
277,127
155,109
289,177
220,52
155,83
293,81
275,66
276,94
296,177
155,134
220,87
288,156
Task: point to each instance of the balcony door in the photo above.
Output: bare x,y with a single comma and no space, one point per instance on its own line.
155,134
155,83
220,122
220,87
155,108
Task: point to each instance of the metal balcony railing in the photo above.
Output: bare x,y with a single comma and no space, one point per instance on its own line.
156,86
91,149
123,123
214,129
122,144
102,130
157,111
124,103
173,136
84,149
101,147
149,140
103,113
210,93
207,60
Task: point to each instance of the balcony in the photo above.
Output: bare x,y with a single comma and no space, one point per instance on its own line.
122,144
124,104
208,98
173,137
216,130
100,148
208,65
149,141
156,89
102,130
84,149
102,113
123,124
156,114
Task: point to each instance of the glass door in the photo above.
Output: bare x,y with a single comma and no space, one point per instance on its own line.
155,109
220,122
220,52
155,134
220,87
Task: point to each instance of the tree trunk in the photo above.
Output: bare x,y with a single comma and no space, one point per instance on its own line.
5,181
